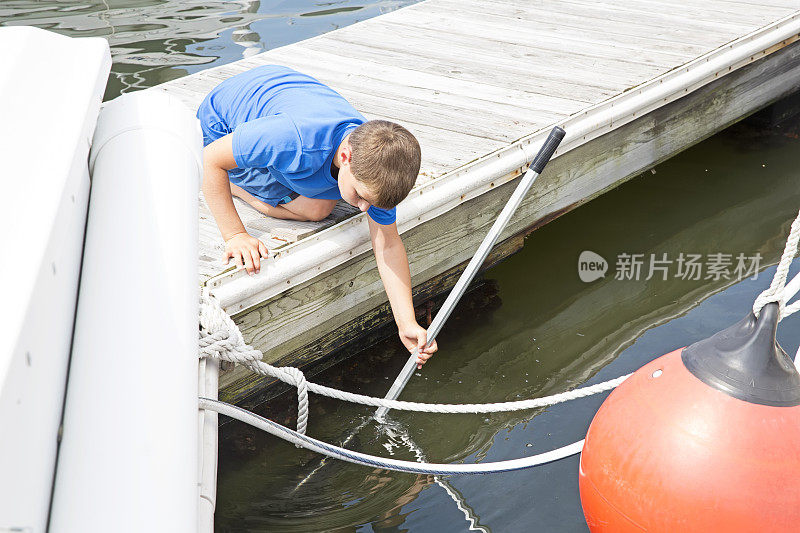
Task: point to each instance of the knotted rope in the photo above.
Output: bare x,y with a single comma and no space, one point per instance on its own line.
778,290
221,339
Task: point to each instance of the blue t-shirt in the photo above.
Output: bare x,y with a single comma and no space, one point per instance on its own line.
286,127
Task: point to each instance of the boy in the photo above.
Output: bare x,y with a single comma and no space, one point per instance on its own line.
291,147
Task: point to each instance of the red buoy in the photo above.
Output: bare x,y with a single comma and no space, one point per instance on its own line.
703,439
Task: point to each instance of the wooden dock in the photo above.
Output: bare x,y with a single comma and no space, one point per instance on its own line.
480,83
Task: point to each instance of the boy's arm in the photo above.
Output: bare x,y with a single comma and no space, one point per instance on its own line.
390,254
245,250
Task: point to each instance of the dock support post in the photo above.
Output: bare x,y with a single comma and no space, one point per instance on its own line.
208,383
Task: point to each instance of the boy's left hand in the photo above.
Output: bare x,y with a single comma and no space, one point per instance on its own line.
415,336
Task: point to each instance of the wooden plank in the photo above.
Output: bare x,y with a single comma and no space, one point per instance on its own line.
364,61
275,233
557,65
361,59
508,104
505,39
712,11
177,89
523,68
193,89
655,25
286,231
404,77
210,234
544,34
663,16
450,118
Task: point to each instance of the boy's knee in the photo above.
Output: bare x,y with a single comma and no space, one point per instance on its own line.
317,212
311,210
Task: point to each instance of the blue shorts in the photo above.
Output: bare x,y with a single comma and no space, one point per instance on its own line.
271,191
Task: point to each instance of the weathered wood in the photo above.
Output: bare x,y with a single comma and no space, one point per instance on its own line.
706,10
384,93
559,66
472,68
498,34
409,77
447,117
549,35
510,48
290,322
666,23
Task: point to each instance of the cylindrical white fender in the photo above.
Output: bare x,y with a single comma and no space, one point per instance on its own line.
128,458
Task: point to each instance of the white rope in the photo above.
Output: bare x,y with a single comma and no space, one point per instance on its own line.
220,338
778,290
330,450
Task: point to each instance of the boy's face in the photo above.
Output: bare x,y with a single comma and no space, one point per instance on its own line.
353,191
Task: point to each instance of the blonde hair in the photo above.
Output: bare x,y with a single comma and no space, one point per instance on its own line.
386,158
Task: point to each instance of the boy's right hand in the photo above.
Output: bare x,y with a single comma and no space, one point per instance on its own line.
246,252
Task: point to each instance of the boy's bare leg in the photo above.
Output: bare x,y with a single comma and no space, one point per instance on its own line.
263,207
310,208
301,208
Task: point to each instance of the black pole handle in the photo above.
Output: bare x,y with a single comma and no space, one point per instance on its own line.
547,149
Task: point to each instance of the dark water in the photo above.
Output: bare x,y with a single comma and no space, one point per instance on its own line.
533,328
153,41
530,327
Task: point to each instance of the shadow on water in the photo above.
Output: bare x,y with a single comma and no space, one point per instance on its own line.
533,328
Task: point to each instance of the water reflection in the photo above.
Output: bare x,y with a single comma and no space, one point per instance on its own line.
245,37
153,41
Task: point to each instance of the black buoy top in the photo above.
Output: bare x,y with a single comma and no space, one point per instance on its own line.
746,362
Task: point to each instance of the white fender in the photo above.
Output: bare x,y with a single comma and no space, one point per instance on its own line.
129,456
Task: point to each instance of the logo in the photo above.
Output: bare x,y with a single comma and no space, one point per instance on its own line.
686,266
591,266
